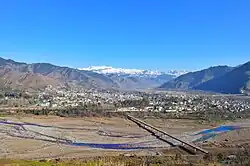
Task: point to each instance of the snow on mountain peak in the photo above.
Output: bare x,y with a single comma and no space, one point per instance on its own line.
177,72
111,70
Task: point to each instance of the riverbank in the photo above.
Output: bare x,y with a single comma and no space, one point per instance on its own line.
50,137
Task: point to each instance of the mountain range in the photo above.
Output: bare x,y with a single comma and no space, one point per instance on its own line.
221,79
16,75
134,72
37,76
194,79
131,79
235,81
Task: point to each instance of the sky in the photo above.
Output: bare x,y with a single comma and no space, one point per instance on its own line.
143,34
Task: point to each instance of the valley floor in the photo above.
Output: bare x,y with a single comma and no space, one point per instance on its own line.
43,137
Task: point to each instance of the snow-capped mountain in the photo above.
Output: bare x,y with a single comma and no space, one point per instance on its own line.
137,72
135,78
177,73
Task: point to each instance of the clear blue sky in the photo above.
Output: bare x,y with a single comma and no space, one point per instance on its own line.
146,34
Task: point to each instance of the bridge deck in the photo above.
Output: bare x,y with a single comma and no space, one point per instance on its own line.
166,134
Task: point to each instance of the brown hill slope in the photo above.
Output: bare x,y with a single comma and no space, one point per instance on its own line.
26,81
18,75
234,82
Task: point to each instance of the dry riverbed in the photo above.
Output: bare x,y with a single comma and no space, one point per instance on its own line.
38,137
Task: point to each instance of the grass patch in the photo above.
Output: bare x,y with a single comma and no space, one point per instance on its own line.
2,115
111,161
